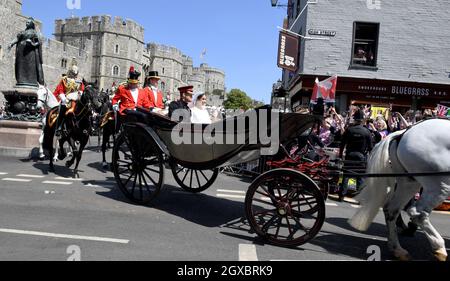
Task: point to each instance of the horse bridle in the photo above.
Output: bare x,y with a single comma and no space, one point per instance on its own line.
45,98
83,111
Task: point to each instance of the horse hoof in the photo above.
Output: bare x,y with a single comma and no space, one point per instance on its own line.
441,255
105,165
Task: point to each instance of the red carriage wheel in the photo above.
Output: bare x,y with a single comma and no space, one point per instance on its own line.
285,207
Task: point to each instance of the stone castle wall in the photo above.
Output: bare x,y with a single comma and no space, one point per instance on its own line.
214,78
118,44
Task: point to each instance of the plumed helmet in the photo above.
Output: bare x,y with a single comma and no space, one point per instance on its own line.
72,72
133,76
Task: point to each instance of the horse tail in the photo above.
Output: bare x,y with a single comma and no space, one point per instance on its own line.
47,143
375,190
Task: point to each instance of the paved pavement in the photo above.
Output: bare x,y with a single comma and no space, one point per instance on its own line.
51,216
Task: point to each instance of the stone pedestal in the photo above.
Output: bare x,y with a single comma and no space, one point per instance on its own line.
20,129
21,103
19,138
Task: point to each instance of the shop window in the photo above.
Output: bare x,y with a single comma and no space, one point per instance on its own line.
365,44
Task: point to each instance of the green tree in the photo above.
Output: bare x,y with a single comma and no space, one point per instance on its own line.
238,99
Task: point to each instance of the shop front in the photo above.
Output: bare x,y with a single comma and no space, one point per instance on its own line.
398,95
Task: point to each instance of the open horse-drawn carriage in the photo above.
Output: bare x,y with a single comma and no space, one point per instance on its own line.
285,204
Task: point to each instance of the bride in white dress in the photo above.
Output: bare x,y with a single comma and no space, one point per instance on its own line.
199,113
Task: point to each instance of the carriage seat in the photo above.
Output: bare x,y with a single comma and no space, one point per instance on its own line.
145,116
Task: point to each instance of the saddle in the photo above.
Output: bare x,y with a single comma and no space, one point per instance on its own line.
109,116
71,106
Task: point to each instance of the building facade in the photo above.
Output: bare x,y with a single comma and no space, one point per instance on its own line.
395,54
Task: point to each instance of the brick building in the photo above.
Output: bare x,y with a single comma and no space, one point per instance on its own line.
396,54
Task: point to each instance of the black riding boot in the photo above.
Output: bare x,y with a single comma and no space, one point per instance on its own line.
60,119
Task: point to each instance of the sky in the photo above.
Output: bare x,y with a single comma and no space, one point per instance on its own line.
240,36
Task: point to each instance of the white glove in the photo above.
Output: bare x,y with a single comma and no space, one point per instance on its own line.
116,107
63,99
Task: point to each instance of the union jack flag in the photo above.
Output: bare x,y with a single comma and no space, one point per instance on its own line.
442,110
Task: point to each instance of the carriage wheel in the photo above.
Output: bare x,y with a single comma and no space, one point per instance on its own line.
285,207
137,166
194,181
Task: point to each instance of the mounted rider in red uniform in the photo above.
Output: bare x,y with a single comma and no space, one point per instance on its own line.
68,91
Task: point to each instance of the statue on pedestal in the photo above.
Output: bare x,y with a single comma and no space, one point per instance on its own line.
22,99
29,71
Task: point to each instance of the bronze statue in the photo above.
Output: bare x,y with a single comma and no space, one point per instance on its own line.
29,71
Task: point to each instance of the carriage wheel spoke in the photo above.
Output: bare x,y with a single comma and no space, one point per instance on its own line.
201,172
267,194
153,181
303,215
146,184
152,161
134,185
185,175
278,227
153,170
264,212
265,227
263,201
128,180
140,186
190,184
305,229
291,234
124,167
198,180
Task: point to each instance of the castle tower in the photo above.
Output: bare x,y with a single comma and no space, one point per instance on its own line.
118,44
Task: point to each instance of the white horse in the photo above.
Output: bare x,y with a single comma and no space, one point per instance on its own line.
423,148
46,101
